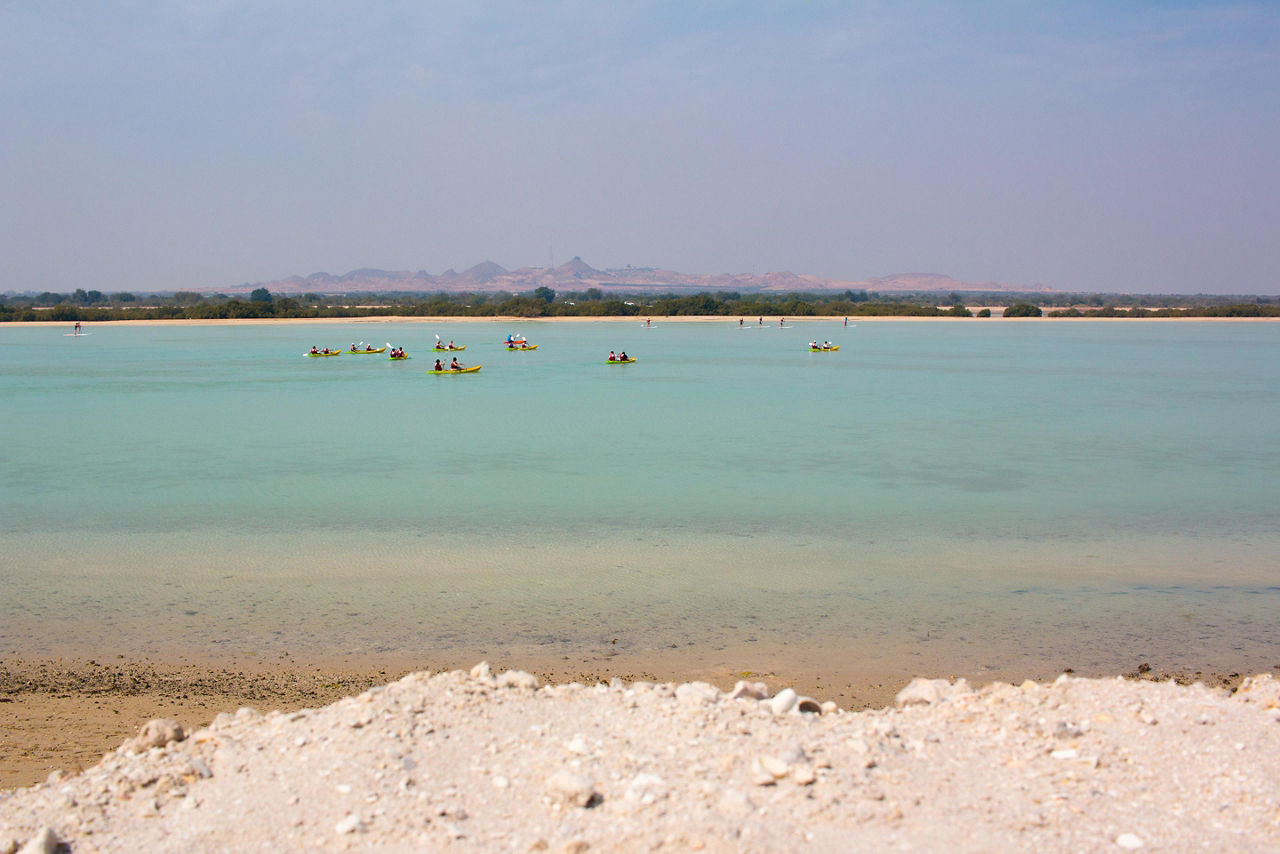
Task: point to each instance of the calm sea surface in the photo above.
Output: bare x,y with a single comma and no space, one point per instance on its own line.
982,497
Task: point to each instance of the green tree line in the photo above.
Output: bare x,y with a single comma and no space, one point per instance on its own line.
95,306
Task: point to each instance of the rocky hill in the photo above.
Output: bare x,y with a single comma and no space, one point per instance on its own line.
578,275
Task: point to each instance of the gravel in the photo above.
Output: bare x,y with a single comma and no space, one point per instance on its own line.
478,761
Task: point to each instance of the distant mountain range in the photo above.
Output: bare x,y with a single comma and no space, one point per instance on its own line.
577,275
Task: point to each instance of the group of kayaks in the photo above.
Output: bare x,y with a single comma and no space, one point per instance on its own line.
511,344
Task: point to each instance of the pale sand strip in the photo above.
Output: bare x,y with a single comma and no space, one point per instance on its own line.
725,319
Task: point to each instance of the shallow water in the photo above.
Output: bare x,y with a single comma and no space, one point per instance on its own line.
971,497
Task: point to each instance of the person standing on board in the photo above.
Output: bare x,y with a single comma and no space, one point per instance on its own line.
77,327
739,321
846,321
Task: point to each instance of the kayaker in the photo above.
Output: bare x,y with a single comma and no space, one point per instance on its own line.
438,367
451,347
454,366
313,349
612,357
623,356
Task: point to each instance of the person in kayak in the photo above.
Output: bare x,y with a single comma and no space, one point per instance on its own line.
622,357
313,349
612,357
438,367
454,366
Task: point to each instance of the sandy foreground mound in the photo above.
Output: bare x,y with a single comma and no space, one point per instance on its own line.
484,762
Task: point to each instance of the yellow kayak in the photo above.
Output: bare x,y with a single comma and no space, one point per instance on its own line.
447,349
523,347
470,370
330,353
824,349
397,358
620,361
375,350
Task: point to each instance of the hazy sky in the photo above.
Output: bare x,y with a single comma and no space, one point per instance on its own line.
1093,146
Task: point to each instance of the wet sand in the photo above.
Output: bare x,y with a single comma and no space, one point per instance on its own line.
64,714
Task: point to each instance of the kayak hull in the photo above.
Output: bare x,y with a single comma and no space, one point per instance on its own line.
619,362
521,348
365,352
824,349
470,370
330,353
448,349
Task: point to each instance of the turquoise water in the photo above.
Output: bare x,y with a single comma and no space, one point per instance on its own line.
967,497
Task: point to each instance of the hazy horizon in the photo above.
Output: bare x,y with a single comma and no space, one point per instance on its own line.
1086,147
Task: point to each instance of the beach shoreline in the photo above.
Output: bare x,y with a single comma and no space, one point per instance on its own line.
770,321
63,714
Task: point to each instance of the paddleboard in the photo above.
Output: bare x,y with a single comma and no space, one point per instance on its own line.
75,334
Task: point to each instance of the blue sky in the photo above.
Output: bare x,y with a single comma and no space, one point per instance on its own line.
1084,146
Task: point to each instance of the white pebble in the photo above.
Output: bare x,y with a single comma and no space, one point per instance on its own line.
1129,841
566,787
784,701
697,693
922,692
350,824
44,842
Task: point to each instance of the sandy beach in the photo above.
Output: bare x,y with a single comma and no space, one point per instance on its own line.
63,714
498,762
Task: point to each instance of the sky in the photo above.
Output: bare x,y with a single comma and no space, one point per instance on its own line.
1084,146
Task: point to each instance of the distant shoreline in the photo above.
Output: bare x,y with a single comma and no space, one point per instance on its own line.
770,320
